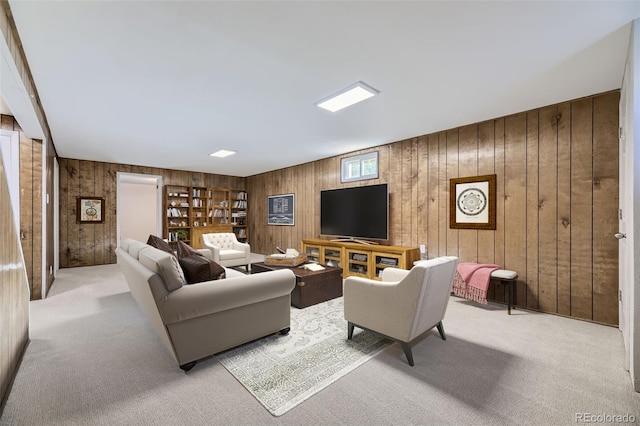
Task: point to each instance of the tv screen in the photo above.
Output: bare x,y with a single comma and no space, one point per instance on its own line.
357,212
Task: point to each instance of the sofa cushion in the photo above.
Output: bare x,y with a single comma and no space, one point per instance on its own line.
159,243
124,244
232,273
135,247
164,264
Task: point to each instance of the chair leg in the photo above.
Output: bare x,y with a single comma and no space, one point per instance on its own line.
349,330
407,352
441,330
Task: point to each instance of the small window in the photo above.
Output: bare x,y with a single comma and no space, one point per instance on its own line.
360,167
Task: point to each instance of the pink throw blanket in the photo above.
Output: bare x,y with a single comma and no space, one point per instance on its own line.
471,281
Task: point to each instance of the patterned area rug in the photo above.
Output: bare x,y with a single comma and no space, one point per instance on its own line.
282,371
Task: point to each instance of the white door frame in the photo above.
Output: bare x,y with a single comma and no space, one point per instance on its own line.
56,216
140,179
10,147
629,216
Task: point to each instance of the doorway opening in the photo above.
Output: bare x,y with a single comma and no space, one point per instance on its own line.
139,206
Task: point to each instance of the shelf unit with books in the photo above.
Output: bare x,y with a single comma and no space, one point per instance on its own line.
199,202
239,210
177,220
195,210
218,211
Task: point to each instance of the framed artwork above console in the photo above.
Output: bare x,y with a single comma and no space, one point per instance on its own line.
472,202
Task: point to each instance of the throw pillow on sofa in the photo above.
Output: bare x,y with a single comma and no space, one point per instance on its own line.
161,244
185,250
196,267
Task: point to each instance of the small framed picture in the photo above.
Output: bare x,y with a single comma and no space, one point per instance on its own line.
472,202
89,210
280,210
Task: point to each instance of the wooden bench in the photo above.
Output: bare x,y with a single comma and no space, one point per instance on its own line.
507,278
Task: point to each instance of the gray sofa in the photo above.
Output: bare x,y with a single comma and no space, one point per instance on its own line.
194,321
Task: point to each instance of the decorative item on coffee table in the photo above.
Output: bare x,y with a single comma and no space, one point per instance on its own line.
290,258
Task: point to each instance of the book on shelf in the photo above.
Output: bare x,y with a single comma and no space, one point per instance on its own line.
175,212
220,213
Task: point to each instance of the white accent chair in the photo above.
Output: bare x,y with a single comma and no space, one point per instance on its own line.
226,250
405,304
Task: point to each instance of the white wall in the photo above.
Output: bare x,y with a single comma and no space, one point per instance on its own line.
137,210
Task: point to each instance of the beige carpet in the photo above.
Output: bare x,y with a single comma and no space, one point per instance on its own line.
94,360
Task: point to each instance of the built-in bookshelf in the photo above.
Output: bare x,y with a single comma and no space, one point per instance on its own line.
239,221
177,223
195,210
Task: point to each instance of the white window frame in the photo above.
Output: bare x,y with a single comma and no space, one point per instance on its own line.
350,173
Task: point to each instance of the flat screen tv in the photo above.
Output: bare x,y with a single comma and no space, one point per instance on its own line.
357,212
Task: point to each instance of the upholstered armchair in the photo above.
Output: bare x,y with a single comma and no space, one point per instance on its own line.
226,250
405,304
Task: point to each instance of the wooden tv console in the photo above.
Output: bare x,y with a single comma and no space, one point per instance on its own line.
358,259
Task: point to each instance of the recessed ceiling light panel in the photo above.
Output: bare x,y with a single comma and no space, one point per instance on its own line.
348,96
221,153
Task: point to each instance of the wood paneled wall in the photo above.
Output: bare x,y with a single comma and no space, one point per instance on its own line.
14,294
95,243
557,201
31,163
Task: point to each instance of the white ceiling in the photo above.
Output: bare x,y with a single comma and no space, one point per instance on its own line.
165,83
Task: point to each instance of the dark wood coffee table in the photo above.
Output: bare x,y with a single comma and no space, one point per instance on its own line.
311,287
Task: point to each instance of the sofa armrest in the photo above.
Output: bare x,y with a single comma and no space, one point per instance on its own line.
214,252
206,253
196,300
246,248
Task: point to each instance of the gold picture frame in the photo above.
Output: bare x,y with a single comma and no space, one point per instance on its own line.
472,202
89,210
